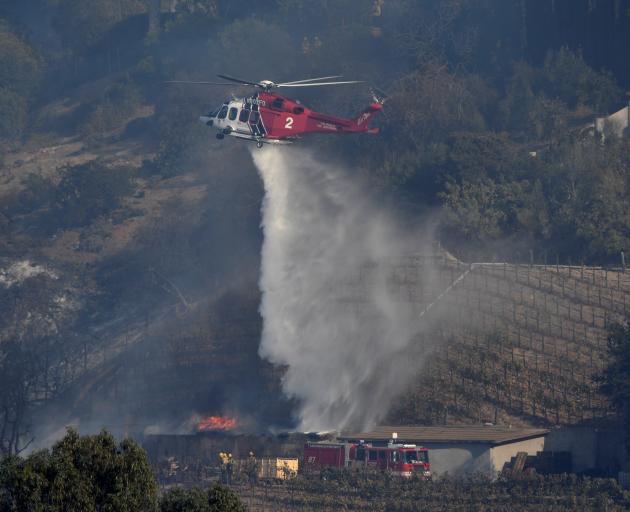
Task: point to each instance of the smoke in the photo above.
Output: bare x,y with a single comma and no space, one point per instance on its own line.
341,310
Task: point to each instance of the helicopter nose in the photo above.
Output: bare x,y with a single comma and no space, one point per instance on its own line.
206,120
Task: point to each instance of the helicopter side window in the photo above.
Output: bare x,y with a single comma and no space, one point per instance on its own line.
244,116
233,113
223,112
255,117
277,103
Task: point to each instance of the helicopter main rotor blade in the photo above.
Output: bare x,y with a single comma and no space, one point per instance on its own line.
196,83
309,80
321,83
238,80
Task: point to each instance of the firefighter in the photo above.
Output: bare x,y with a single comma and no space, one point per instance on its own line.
223,465
251,468
229,468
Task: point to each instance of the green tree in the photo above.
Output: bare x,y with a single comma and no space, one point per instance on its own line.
587,185
223,499
23,486
184,500
216,499
80,474
519,99
615,380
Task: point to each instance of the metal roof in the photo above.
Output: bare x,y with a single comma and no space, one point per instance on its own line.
494,435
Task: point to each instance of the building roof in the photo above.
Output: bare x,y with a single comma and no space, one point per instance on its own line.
495,435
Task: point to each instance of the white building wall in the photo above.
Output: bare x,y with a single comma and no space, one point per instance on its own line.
458,459
615,124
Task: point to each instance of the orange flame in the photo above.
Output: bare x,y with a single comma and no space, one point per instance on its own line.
216,423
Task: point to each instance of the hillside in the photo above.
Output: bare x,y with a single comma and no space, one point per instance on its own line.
523,345
131,239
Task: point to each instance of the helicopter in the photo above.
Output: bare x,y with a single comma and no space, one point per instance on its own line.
267,117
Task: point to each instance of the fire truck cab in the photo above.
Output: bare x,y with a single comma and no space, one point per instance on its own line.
402,460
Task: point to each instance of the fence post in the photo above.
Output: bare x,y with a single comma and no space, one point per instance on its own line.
623,262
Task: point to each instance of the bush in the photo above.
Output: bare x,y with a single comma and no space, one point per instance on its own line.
38,192
88,191
13,114
114,109
222,499
20,67
180,500
217,499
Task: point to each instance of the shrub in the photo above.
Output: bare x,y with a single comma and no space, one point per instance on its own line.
13,113
88,191
20,67
114,109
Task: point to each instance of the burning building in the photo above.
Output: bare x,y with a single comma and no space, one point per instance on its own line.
216,423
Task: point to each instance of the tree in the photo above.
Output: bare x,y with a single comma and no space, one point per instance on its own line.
20,66
13,112
184,500
222,499
571,79
615,380
18,376
84,23
80,474
217,499
22,486
88,191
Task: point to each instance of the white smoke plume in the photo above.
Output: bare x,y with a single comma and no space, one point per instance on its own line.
332,311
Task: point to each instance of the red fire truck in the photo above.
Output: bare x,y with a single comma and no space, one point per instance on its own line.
400,459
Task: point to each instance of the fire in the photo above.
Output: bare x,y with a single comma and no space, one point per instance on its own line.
216,423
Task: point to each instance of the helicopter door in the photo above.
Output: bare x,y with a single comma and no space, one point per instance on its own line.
256,124
253,123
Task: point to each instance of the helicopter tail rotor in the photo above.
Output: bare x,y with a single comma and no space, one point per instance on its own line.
378,95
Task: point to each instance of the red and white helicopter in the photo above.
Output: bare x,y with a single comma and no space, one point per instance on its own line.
267,117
